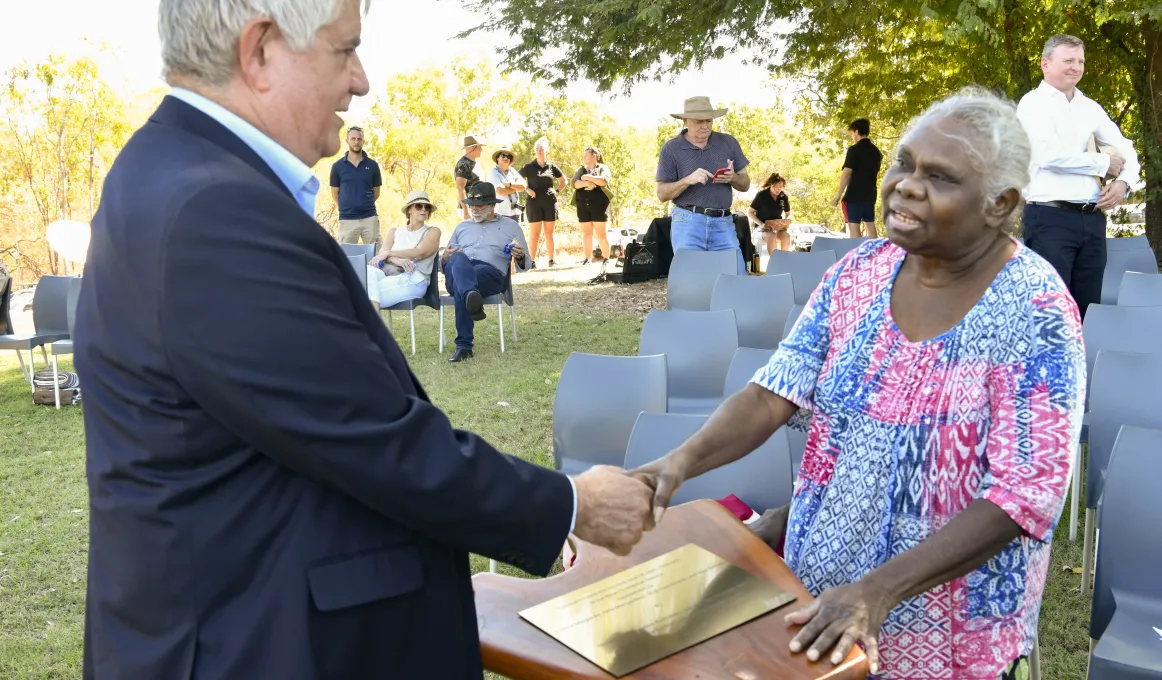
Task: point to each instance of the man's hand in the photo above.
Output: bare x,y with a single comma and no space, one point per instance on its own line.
448,253
772,525
518,253
1113,195
531,193
838,619
1116,165
613,509
699,176
835,202
663,476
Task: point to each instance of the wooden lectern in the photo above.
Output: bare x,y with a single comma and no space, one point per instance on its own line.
757,650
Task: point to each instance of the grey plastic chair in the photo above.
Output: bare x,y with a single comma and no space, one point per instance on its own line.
792,317
746,362
760,304
1128,243
840,246
1140,290
503,299
806,269
1120,329
367,249
1118,262
1127,609
692,276
597,403
431,299
50,323
62,347
698,347
761,479
1127,389
359,264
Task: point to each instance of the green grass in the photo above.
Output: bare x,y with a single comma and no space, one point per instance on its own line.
508,398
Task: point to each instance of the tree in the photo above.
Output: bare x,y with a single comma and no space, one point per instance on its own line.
887,66
61,126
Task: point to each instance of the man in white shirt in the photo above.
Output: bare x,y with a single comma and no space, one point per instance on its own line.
1064,219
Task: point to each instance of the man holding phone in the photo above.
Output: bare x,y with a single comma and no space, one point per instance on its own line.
698,170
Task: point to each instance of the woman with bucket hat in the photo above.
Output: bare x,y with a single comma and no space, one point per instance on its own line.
403,267
508,182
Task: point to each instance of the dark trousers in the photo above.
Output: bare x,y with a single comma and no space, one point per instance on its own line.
1074,243
463,276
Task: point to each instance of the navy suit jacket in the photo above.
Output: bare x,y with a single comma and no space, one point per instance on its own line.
272,495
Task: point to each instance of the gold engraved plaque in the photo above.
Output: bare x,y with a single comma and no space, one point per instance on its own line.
648,612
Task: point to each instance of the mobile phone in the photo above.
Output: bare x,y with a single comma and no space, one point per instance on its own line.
720,172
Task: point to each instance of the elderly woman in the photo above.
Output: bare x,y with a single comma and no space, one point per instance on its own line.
944,375
403,267
771,212
544,181
591,198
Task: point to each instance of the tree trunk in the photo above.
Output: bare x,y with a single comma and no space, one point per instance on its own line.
1148,89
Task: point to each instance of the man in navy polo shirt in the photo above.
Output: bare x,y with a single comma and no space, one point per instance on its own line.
355,185
697,170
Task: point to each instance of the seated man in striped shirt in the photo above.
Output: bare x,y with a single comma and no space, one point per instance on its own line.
697,170
477,259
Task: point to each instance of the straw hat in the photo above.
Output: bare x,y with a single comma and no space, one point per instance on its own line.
699,108
503,149
418,196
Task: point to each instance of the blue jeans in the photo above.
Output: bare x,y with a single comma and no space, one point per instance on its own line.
695,231
463,276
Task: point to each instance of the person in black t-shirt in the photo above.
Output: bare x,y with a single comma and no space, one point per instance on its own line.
545,181
771,211
857,184
466,173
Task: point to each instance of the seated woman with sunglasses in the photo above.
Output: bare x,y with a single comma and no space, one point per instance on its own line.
403,267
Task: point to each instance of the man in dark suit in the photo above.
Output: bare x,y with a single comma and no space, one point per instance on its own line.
271,493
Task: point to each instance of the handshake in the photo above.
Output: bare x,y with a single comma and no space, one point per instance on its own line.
615,507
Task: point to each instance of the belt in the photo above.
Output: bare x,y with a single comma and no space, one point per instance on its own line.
1067,205
709,212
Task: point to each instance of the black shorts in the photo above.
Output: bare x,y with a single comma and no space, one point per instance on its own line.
592,211
541,211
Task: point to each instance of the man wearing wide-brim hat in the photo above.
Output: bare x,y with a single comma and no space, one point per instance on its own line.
477,260
699,170
508,182
466,172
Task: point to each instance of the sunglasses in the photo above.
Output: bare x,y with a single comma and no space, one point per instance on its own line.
421,206
504,155
354,128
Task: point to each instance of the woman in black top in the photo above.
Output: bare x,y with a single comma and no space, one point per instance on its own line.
771,210
591,198
545,181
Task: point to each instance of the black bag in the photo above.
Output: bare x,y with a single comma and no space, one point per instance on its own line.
641,262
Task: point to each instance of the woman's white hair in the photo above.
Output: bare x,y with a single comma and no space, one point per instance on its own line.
996,142
542,143
199,38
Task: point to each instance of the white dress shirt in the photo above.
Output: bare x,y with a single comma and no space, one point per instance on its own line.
1062,168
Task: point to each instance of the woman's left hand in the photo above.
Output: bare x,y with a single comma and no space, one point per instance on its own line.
839,618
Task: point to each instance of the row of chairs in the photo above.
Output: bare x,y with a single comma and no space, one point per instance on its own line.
359,255
54,310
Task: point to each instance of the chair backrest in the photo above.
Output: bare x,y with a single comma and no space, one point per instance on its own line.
746,362
597,402
74,295
760,304
1128,560
5,314
1120,329
50,304
692,276
806,269
359,264
792,317
1118,262
431,296
761,479
840,246
1140,290
1127,243
1127,389
367,249
698,347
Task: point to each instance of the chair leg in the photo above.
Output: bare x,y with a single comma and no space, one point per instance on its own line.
500,313
412,316
441,329
492,566
25,371
1087,553
44,353
1035,660
56,385
390,322
1075,499
512,313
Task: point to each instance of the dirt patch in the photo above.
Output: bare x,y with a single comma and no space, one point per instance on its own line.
567,289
